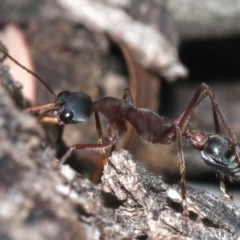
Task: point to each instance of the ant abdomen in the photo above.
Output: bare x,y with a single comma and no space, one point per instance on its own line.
220,154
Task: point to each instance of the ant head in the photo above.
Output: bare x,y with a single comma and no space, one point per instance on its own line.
73,107
219,152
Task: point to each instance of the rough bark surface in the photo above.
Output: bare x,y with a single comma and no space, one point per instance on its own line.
45,202
40,201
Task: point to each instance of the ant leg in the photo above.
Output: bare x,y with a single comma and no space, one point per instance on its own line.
223,187
127,96
95,147
43,116
202,92
182,167
96,177
181,129
114,128
48,119
37,109
218,112
100,137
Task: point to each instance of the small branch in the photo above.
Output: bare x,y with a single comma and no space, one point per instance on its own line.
147,45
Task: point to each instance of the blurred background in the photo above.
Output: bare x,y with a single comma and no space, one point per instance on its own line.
161,49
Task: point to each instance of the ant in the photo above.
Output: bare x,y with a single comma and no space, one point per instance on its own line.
217,150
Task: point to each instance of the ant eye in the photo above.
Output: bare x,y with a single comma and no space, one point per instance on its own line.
66,116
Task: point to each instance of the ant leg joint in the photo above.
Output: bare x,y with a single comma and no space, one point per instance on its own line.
223,188
66,156
128,95
185,208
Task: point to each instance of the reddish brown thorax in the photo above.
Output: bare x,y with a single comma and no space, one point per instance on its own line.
197,139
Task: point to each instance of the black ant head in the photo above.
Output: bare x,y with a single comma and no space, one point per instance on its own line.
68,108
73,107
219,152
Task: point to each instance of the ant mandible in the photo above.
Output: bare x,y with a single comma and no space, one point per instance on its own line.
219,151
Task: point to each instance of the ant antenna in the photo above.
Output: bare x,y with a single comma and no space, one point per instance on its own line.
29,71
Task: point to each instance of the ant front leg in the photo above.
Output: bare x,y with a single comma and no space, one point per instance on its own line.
42,113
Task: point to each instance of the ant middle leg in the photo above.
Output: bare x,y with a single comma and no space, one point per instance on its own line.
100,137
89,147
99,165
